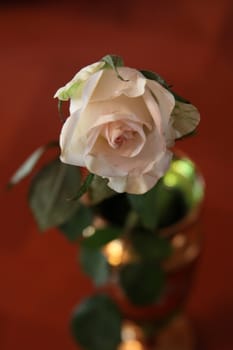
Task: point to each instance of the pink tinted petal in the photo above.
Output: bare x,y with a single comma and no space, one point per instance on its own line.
142,183
111,86
165,100
97,113
72,147
126,136
133,184
118,117
153,107
106,161
100,165
87,91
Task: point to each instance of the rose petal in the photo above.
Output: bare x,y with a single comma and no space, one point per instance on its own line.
104,119
97,113
73,88
165,101
100,165
153,107
132,134
82,97
72,149
144,182
111,86
106,161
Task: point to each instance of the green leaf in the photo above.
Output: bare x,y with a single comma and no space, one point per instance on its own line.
142,282
84,187
99,191
29,164
146,206
149,245
102,237
95,265
49,192
74,227
159,207
96,324
154,76
113,62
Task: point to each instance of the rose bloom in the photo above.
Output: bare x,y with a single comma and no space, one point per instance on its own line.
121,128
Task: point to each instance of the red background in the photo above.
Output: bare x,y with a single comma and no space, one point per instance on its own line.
190,43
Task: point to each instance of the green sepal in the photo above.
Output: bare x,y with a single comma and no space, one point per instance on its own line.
185,119
190,134
179,98
155,76
113,62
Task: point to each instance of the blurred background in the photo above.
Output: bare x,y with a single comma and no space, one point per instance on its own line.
43,43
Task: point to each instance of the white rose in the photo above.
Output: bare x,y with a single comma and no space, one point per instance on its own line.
73,89
120,129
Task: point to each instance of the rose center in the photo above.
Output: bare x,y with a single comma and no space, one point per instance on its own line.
119,140
124,137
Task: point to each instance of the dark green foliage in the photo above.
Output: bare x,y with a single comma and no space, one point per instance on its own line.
102,237
94,265
149,245
74,227
49,192
142,282
96,324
